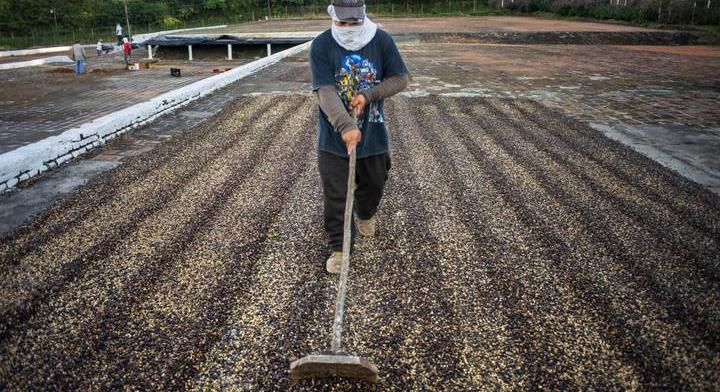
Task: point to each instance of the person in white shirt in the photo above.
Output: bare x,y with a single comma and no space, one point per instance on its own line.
99,48
118,32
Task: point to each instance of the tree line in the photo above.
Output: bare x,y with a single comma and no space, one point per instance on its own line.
640,11
23,15
20,17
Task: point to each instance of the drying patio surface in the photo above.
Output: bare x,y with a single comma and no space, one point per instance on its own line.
662,100
516,247
44,101
632,84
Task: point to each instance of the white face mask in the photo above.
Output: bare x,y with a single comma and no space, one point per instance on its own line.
353,37
349,35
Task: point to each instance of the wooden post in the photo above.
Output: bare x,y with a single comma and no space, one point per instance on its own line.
229,52
269,50
149,52
127,20
190,53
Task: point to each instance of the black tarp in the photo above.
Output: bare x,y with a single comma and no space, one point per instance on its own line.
178,40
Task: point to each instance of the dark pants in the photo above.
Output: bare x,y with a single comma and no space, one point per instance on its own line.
370,176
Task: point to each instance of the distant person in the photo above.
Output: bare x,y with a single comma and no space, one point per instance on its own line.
77,53
99,48
119,34
127,50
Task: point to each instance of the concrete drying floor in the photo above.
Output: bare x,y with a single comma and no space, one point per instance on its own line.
39,102
516,247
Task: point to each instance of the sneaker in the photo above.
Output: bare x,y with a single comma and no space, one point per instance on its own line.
366,228
334,262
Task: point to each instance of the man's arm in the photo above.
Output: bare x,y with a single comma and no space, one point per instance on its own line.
332,106
387,88
338,116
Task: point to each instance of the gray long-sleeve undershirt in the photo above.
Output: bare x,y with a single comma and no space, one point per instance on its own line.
337,114
387,88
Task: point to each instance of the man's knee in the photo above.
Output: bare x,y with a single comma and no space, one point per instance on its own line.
376,183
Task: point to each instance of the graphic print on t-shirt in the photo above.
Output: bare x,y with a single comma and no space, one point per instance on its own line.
356,75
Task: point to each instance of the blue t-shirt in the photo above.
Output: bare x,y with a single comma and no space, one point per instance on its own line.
349,72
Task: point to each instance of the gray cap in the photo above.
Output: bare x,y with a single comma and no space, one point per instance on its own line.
349,9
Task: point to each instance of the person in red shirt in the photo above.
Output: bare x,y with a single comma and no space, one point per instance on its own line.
127,49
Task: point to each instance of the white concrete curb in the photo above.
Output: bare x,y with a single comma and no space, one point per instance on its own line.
28,161
54,49
26,52
36,62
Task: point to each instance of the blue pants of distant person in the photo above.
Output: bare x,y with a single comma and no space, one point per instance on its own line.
79,66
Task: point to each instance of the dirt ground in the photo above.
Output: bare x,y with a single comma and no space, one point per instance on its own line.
603,83
435,25
535,252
